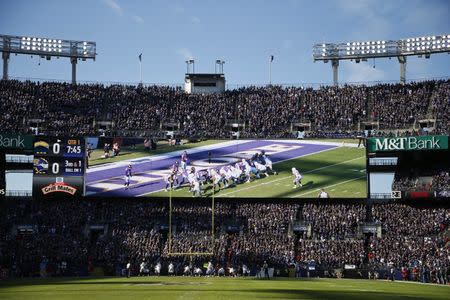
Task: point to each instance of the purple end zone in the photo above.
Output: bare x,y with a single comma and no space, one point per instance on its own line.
142,167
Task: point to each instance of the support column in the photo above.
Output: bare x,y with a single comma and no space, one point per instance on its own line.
73,61
402,61
5,56
335,65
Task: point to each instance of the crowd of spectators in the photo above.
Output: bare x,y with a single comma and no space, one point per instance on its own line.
398,106
430,181
339,221
412,239
264,235
61,108
49,238
441,181
331,253
440,106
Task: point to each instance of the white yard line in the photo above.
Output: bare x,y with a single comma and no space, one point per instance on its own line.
288,177
326,187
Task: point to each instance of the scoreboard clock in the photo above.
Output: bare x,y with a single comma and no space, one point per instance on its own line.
59,166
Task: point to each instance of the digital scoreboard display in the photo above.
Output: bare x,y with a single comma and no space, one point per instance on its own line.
58,166
408,167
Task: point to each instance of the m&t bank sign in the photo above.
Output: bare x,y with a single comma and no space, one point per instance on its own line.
16,141
433,142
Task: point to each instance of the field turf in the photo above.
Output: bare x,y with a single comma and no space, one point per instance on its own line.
186,288
340,171
139,151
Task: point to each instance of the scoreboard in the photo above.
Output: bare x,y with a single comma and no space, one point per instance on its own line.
58,166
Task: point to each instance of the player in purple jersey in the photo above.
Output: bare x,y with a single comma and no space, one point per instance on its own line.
175,172
128,176
169,179
184,157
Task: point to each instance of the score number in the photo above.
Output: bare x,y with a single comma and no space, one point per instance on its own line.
55,168
69,149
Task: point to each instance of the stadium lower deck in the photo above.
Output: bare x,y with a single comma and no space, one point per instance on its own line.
148,172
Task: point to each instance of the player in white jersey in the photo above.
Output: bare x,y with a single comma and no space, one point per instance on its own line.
261,168
268,162
187,271
158,269
230,175
216,178
171,269
247,169
297,178
210,269
233,175
226,175
143,270
192,176
196,192
238,172
198,271
323,194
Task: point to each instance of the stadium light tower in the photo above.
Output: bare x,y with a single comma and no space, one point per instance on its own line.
46,48
219,63
188,63
425,45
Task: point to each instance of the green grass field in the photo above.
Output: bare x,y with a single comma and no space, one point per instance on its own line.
341,172
164,147
139,151
186,288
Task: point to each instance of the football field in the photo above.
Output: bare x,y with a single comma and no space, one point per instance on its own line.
201,288
337,168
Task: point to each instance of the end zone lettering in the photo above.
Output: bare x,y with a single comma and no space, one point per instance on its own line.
408,143
58,187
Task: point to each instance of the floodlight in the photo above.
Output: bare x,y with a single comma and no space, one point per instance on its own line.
46,47
360,50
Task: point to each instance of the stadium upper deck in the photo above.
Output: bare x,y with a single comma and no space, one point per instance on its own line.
261,112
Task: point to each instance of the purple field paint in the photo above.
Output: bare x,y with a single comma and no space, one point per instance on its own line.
145,168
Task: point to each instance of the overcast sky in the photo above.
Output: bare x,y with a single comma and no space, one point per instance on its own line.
243,33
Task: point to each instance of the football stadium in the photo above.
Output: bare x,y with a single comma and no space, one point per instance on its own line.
209,150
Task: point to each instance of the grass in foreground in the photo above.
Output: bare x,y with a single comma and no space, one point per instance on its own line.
166,288
341,172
